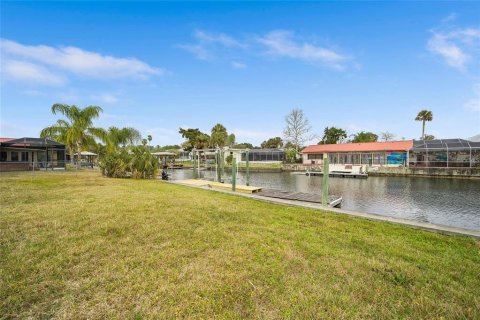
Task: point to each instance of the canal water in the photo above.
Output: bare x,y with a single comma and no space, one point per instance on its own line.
451,202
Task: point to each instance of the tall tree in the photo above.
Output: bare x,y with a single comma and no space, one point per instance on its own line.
121,137
429,137
387,136
363,136
332,135
243,145
77,131
272,143
297,128
219,136
424,115
195,139
231,140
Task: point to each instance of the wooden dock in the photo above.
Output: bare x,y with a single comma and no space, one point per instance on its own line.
238,188
334,201
218,185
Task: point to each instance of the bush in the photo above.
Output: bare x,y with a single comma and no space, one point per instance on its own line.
229,159
137,163
291,155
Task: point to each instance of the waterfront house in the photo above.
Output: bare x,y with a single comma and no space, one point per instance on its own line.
27,154
438,153
390,153
444,153
258,155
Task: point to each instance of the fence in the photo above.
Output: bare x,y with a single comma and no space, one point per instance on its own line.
8,166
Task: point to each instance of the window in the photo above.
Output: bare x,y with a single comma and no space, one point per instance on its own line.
356,158
315,156
14,156
25,156
366,158
3,156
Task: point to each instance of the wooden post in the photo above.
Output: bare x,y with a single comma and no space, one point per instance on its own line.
326,172
194,163
234,173
218,160
222,162
247,167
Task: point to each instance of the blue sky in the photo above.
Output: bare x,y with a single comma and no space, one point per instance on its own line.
160,66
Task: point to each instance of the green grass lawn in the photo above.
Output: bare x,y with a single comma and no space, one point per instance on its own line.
77,245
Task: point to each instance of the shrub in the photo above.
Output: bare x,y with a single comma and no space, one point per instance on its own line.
137,163
229,159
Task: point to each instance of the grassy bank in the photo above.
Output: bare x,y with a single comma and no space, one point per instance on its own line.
76,245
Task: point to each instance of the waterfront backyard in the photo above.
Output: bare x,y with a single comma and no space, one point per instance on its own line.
449,202
77,245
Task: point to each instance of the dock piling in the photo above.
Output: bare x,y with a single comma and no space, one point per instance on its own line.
218,165
326,171
195,172
234,173
222,163
247,167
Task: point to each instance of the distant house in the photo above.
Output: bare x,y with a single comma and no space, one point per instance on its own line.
27,154
439,153
258,155
444,153
389,153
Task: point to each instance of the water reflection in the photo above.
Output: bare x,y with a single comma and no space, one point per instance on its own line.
452,202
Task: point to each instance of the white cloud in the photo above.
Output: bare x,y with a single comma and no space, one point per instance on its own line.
197,50
282,43
474,103
77,61
109,98
457,47
238,65
451,17
211,46
209,42
23,71
220,38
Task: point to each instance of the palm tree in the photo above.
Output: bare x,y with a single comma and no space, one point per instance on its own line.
424,115
117,137
77,131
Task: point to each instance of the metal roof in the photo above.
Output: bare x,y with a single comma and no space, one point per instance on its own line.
164,153
265,150
445,144
31,142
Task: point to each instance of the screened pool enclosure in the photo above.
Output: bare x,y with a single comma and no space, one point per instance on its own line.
445,153
264,155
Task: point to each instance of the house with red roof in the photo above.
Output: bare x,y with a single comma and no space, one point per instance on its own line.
438,153
389,153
